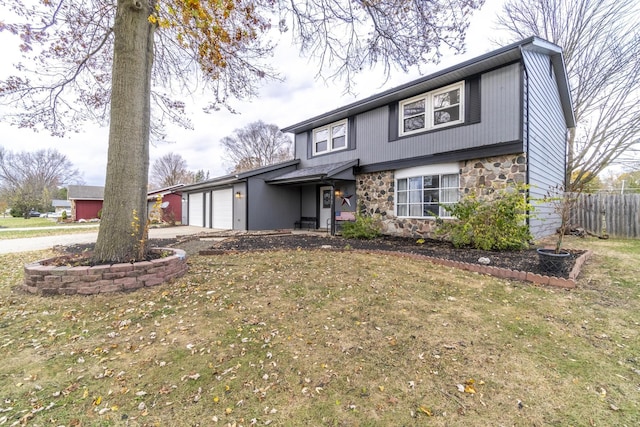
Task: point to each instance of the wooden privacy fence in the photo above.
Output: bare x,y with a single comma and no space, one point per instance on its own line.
619,213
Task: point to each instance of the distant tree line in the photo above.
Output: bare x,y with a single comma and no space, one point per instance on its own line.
31,180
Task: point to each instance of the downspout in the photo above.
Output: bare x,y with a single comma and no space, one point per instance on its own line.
526,128
246,205
333,208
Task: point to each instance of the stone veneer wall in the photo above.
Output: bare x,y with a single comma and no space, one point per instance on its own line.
45,278
376,191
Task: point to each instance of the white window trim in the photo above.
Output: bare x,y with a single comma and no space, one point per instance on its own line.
428,101
421,171
328,128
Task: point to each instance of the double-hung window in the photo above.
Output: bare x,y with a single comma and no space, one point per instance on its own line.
426,194
329,138
432,110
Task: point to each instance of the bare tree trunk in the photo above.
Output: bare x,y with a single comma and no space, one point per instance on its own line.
123,233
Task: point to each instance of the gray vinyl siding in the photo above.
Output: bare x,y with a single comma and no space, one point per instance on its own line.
500,122
545,134
240,206
309,200
271,206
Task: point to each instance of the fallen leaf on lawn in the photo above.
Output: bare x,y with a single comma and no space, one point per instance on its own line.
425,410
469,386
97,400
191,377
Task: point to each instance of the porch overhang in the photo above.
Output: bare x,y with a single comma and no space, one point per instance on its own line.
343,171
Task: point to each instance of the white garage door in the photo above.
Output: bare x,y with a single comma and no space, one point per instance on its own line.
195,209
223,209
207,210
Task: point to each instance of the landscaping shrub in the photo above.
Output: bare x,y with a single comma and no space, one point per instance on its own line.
364,227
489,222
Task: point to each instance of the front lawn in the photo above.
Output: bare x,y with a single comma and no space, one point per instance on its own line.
19,222
10,227
293,338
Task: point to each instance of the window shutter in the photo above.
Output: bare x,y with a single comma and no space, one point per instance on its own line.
351,138
393,121
472,100
309,144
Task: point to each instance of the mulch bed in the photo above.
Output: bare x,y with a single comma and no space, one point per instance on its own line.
525,260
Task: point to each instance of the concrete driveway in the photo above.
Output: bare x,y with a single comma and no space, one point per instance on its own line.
48,242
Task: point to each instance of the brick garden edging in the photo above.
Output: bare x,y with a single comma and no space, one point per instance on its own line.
502,273
44,278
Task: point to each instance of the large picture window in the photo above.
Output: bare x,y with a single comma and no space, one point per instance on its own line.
329,138
427,195
439,108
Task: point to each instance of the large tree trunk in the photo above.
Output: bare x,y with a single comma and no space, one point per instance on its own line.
123,232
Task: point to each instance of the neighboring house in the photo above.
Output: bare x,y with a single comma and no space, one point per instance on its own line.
61,205
170,207
86,201
498,119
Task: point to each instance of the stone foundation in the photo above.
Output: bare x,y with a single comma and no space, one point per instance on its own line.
45,278
376,191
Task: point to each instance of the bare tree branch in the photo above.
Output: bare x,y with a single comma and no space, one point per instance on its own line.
601,43
256,145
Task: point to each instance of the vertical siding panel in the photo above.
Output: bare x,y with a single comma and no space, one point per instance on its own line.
546,137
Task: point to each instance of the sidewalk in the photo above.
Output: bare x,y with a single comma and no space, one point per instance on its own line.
53,227
48,242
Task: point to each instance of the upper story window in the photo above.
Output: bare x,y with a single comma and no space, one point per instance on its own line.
432,110
331,137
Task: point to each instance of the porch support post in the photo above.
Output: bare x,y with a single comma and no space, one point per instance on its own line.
333,209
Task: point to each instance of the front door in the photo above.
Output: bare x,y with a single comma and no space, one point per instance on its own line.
326,197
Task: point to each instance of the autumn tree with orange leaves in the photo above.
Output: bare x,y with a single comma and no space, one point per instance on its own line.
129,62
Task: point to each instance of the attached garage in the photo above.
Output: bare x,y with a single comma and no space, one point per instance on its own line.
212,209
196,209
243,201
223,209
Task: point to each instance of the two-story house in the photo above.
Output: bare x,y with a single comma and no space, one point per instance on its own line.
405,153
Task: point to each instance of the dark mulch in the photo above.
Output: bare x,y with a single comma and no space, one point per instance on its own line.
525,260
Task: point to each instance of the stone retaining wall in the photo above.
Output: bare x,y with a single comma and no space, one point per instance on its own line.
45,278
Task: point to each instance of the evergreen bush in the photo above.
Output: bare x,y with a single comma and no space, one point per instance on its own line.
489,222
364,227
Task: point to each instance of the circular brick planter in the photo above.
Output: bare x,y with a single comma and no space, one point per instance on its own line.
44,278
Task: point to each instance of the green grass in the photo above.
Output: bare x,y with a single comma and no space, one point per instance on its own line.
39,227
328,339
11,222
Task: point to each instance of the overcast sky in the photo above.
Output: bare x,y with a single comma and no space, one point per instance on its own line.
299,97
